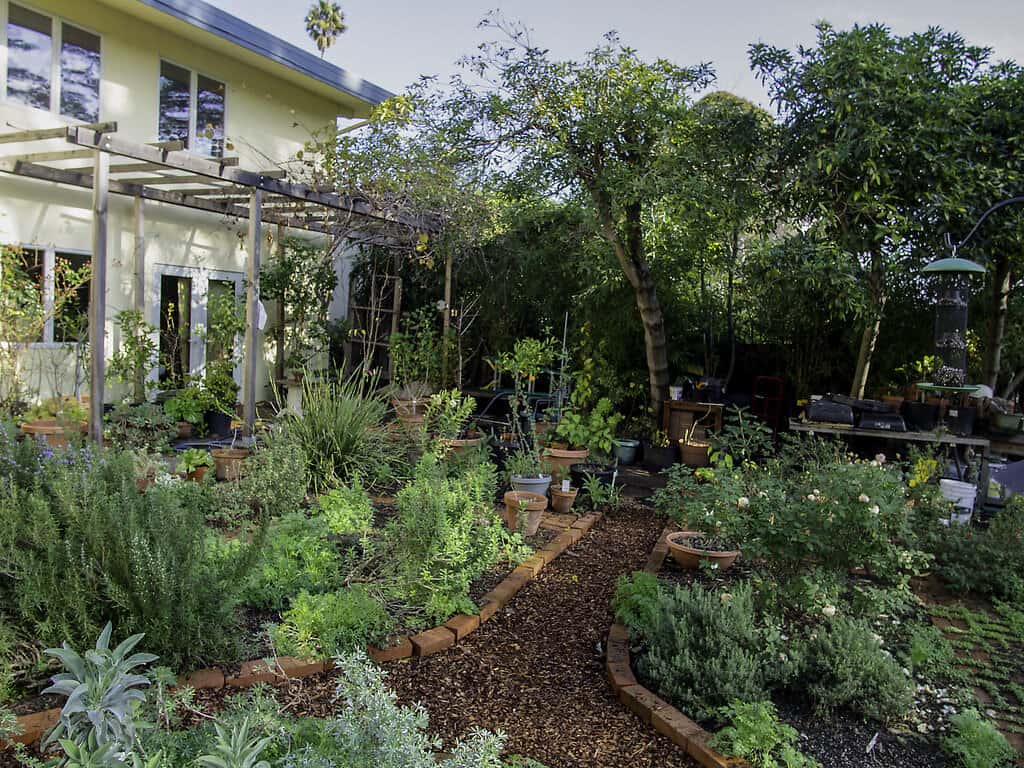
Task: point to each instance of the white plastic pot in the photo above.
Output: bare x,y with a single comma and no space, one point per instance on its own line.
961,494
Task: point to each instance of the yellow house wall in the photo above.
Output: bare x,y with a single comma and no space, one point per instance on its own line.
267,121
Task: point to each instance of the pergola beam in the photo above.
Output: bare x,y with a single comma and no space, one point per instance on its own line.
38,134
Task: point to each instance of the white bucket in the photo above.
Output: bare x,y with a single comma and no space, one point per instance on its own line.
961,494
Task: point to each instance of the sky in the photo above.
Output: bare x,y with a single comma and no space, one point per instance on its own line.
393,42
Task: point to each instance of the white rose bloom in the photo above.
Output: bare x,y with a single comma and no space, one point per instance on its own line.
829,610
874,509
742,502
863,498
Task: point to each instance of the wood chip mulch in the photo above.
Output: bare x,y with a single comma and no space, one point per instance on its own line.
536,671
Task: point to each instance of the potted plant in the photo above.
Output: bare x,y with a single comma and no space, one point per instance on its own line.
416,355
55,420
145,427
693,447
659,452
193,463
524,510
188,408
525,471
583,432
447,420
222,395
691,548
562,500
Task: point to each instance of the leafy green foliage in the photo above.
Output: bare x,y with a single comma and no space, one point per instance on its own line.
845,666
234,749
189,404
976,743
755,734
744,439
275,477
136,355
636,599
146,427
594,430
101,692
447,414
416,350
328,624
347,509
192,458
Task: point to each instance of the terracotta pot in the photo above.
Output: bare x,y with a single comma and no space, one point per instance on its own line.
561,501
54,432
197,474
228,462
411,422
694,452
534,503
557,461
409,407
466,445
690,557
142,483
184,430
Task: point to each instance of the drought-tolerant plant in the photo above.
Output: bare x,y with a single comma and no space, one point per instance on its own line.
447,414
144,426
319,626
846,666
636,599
275,477
754,733
976,743
102,691
342,433
234,749
347,509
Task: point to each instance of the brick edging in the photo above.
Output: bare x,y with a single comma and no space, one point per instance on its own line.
277,671
645,704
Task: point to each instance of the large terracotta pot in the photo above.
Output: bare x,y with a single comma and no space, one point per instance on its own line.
228,462
467,444
691,557
54,432
558,460
694,452
534,504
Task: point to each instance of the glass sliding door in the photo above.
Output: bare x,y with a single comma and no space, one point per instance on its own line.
175,329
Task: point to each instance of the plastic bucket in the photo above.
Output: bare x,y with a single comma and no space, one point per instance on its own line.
961,494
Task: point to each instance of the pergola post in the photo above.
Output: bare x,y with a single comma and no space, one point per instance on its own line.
98,293
139,298
447,318
252,311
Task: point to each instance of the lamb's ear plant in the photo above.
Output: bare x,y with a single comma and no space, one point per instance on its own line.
93,755
234,749
102,692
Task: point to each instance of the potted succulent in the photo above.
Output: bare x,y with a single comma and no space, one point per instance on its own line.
188,408
55,420
193,463
691,548
524,510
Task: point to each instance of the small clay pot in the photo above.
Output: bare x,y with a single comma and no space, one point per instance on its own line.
228,462
562,501
184,430
197,474
534,503
690,558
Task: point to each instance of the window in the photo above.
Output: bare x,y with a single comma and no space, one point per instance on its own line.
191,110
63,283
33,40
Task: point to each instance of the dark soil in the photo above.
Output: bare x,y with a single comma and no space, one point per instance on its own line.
842,741
536,670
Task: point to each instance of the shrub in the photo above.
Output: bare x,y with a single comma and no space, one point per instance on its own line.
348,509
342,433
928,651
296,557
143,427
317,626
445,535
275,478
976,743
636,600
846,666
79,545
704,650
755,734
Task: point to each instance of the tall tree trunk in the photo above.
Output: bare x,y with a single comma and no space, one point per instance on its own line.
629,250
1012,386
729,311
705,317
997,323
869,338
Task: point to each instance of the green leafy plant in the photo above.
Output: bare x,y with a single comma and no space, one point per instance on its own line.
69,410
234,749
137,353
275,478
636,599
319,626
101,691
743,439
599,494
417,350
192,458
146,427
594,430
976,743
448,414
754,733
189,405
347,509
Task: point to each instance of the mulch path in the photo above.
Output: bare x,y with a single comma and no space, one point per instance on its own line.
536,671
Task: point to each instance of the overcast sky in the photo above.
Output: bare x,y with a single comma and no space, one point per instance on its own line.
392,42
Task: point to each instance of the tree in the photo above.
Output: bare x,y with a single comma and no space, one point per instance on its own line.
864,139
600,128
325,22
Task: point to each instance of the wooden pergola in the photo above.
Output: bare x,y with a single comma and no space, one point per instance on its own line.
164,172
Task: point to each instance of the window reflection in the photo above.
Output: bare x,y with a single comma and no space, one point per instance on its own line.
175,92
79,74
29,57
210,117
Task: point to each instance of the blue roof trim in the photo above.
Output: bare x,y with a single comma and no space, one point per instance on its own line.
231,28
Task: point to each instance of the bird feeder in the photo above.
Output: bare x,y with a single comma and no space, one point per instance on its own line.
951,300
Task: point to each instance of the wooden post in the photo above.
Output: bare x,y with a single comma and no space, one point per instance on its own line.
140,284
279,331
446,323
252,311
98,293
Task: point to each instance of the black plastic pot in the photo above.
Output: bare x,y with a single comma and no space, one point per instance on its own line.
920,417
580,473
656,458
218,423
960,421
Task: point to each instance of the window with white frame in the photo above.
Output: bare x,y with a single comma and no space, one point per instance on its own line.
191,109
52,65
63,284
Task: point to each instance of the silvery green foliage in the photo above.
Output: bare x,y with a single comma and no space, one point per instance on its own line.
235,749
93,755
307,757
102,692
373,731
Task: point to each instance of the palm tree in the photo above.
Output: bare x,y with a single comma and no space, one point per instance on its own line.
324,22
